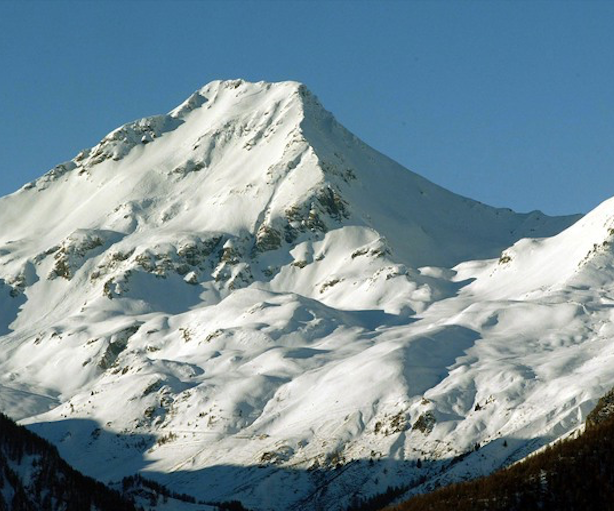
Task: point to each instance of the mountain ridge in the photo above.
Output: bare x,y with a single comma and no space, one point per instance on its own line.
251,285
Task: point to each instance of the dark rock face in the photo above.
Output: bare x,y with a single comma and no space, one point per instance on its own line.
603,411
425,423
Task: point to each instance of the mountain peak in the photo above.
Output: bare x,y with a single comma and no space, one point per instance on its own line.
243,86
256,286
266,159
235,91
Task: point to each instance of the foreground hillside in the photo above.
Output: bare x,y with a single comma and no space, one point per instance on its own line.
569,475
241,295
33,477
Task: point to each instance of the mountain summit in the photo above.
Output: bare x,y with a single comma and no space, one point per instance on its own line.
241,294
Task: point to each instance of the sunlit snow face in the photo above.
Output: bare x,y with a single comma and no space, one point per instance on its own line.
244,283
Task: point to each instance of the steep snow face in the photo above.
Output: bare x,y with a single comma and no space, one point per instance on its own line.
242,295
554,263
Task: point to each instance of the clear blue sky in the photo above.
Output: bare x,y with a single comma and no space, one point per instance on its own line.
510,103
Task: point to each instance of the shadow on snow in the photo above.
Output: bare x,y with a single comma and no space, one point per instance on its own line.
110,456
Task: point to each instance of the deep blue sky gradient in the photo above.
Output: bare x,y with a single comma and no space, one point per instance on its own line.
510,103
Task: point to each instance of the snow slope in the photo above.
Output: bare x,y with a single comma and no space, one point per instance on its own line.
241,296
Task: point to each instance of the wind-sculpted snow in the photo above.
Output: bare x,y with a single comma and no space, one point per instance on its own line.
241,296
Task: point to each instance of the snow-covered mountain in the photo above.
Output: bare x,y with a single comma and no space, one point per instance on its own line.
244,301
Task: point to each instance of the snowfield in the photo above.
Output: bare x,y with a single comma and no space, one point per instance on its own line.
242,300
